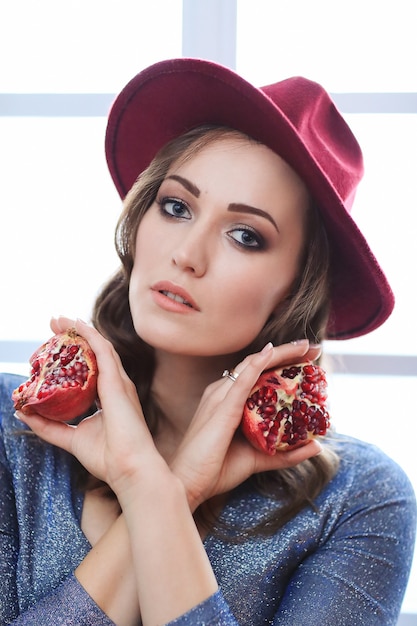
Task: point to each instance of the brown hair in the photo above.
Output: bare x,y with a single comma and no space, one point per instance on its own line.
304,313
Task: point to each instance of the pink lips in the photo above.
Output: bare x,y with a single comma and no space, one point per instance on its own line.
173,297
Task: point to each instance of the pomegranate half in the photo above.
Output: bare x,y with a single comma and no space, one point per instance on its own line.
63,381
286,407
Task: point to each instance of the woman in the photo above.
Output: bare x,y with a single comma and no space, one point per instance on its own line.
238,253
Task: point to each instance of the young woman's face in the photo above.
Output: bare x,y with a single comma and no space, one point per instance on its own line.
218,250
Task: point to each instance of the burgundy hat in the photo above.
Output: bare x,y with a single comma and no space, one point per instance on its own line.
297,119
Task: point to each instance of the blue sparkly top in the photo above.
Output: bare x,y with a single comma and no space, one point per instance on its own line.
346,562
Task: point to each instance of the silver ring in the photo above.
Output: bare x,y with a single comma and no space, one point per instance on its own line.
232,375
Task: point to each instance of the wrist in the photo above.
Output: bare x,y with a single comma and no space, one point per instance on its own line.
152,483
191,489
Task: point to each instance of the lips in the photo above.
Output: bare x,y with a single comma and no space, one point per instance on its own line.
176,293
176,297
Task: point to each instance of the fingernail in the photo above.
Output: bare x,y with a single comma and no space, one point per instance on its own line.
267,348
17,415
299,342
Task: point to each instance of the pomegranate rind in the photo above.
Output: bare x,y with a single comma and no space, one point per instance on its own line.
286,408
52,400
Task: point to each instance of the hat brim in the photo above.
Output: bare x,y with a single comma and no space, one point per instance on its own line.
171,97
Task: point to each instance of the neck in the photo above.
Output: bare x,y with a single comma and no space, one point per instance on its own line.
178,385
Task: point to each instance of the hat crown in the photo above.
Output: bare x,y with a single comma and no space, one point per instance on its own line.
322,130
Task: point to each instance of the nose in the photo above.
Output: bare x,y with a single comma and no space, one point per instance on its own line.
191,252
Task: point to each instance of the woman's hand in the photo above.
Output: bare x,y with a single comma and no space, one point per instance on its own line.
115,441
213,458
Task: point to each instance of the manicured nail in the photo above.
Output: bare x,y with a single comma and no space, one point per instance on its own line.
299,342
267,348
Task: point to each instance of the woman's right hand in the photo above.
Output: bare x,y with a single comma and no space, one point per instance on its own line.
115,442
213,458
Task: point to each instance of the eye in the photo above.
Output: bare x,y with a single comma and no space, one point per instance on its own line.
247,238
172,207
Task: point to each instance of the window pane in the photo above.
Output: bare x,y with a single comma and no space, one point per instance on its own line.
84,46
358,46
59,209
385,211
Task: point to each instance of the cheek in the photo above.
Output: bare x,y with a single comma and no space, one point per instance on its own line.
146,241
142,254
255,297
263,290
285,272
143,233
266,298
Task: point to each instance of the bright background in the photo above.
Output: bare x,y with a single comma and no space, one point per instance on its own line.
62,63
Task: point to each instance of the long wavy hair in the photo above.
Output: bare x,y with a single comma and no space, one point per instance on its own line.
303,313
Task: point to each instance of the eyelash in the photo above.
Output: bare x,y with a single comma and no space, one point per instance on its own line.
260,242
163,202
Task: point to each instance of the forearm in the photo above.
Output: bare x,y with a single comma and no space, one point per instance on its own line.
152,555
108,576
173,572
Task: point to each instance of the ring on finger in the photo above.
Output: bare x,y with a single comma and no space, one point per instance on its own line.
230,374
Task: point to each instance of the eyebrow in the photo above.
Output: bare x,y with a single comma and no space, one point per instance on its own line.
185,183
245,208
235,207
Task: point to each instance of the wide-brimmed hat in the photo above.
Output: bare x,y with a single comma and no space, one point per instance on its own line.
298,120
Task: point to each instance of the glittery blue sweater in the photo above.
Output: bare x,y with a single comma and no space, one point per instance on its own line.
345,563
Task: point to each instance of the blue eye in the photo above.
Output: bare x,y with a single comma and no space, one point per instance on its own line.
173,207
247,238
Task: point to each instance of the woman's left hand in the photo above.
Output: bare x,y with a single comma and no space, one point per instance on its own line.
213,458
